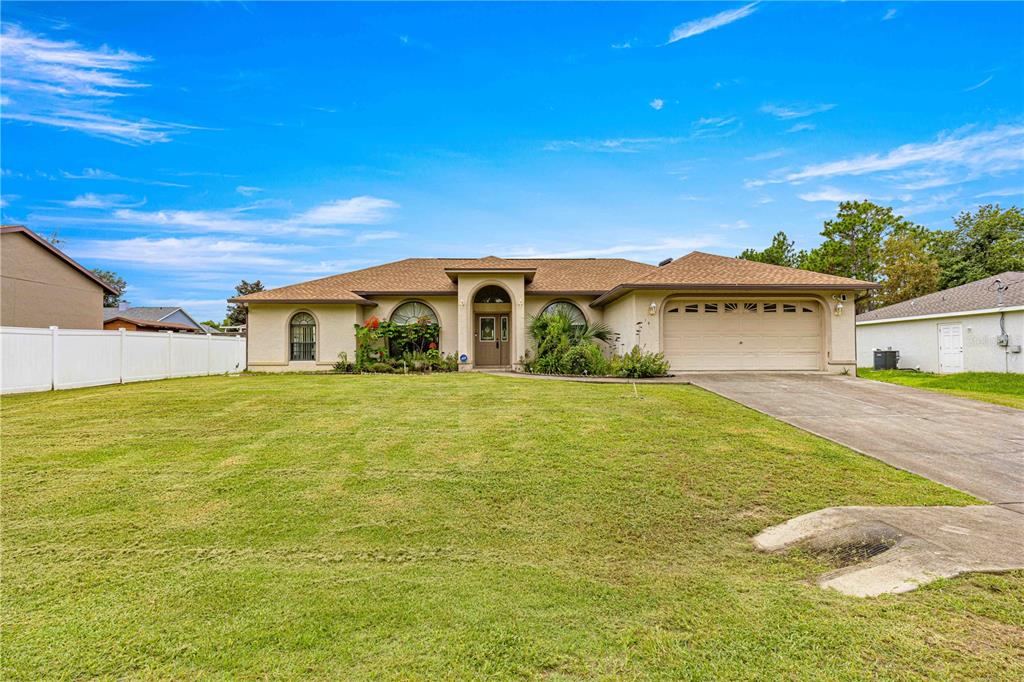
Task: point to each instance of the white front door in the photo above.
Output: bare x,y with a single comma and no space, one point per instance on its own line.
951,348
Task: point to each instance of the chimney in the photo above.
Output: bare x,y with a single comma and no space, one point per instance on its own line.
122,306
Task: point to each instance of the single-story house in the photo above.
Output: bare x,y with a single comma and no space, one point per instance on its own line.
704,312
41,286
151,318
976,327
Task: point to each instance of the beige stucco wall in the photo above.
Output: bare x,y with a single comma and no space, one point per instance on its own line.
268,328
38,289
838,336
469,284
445,307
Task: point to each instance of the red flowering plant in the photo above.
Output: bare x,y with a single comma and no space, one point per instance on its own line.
431,346
372,323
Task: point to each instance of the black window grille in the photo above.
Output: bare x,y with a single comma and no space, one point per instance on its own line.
303,337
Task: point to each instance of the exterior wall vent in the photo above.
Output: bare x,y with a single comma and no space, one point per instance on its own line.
664,262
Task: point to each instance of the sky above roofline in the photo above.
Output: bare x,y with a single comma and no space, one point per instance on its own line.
296,141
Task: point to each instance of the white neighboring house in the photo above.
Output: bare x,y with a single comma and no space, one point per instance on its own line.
976,327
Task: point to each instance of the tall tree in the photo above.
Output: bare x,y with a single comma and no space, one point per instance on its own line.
854,243
780,252
237,312
908,270
981,244
114,280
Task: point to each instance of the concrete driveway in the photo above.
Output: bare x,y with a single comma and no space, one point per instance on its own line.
969,445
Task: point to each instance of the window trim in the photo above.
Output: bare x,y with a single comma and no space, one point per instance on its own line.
291,343
437,318
568,302
480,328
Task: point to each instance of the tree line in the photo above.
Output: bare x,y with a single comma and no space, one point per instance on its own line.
873,243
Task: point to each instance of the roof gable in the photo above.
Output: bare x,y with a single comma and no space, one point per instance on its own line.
706,269
21,229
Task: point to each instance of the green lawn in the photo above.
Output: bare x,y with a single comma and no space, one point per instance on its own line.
1001,389
451,527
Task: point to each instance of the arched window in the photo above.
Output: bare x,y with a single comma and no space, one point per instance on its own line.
491,294
413,312
566,308
303,337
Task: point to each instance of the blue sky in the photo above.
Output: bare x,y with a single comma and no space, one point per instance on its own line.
187,146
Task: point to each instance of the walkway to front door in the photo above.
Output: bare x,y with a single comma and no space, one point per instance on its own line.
491,334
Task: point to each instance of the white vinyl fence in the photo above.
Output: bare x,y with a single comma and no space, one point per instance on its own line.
44,359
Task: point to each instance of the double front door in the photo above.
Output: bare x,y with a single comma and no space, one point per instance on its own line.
492,340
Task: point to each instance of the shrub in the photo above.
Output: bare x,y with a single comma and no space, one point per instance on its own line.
566,347
636,364
380,368
584,359
343,365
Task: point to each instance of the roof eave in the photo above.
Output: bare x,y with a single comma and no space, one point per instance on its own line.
623,289
339,301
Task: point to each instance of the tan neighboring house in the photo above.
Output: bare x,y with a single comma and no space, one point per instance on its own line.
704,312
41,286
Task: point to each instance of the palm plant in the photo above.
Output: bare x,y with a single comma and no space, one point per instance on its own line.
558,329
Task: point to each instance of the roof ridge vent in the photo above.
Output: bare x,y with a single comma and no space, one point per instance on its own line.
665,262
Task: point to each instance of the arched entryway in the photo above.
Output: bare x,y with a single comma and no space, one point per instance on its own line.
492,327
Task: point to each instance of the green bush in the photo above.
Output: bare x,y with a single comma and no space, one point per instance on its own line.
380,368
637,364
584,359
563,346
343,365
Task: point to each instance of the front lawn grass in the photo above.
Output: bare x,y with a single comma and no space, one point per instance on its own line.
450,526
991,387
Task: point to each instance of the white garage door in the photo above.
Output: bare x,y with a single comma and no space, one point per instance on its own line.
744,335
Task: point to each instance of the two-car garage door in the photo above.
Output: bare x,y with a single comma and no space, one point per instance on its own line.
742,335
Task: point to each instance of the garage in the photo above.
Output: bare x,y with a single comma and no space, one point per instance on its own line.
742,335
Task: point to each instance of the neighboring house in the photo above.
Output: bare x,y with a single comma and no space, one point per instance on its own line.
976,327
137,325
149,318
704,312
41,286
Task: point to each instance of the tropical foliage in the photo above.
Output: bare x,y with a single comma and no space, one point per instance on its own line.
563,344
387,347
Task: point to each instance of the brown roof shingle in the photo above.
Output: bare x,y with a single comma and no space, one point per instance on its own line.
594,276
980,295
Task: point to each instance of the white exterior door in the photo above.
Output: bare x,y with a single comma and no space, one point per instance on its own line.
951,348
742,335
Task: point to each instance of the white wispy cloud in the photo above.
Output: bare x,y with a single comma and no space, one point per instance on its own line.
624,145
364,210
889,14
367,237
100,174
990,151
248,190
697,26
786,112
194,253
835,195
766,156
6,199
657,103
624,45
664,247
103,201
800,127
328,219
67,85
715,126
1005,192
735,225
932,204
980,84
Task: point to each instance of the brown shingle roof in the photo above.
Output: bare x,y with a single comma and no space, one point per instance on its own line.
980,295
698,270
427,276
594,276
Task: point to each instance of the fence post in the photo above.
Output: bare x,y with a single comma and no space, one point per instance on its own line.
53,357
169,355
124,352
209,353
